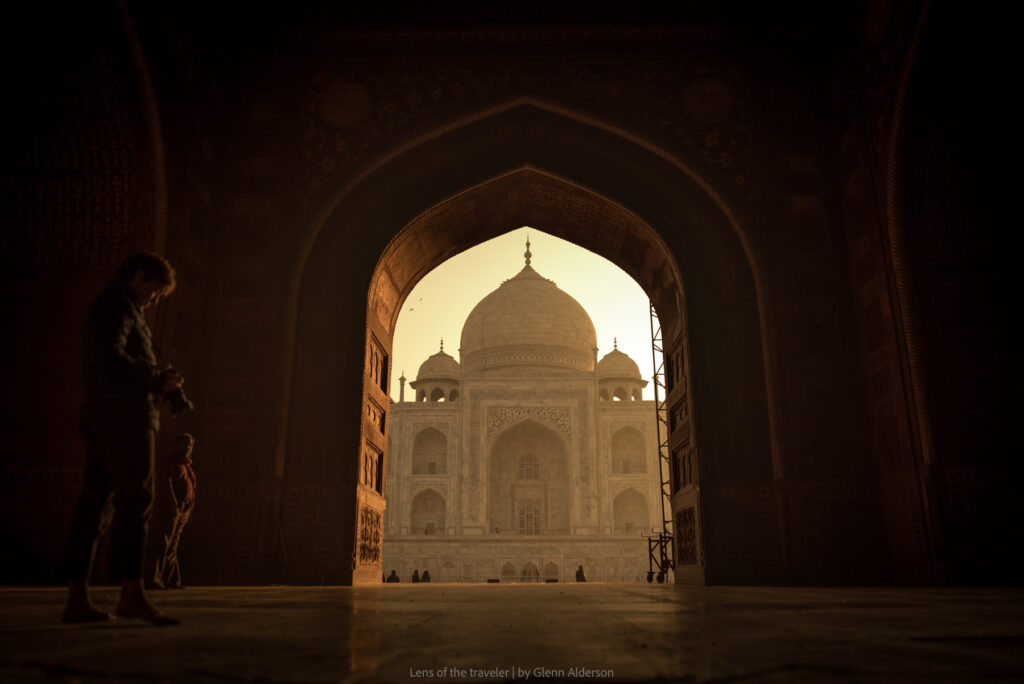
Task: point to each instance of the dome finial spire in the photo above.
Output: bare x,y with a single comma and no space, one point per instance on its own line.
527,254
442,344
616,339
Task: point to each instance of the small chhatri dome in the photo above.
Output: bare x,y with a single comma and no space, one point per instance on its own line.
439,366
616,364
528,321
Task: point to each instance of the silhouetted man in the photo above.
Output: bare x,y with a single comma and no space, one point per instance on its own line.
179,485
580,577
393,577
425,577
119,419
415,576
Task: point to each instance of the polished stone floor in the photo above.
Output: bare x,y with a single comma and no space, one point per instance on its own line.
402,633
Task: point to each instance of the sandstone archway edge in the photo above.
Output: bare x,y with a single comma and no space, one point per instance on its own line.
584,180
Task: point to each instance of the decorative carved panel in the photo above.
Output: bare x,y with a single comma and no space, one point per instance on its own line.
376,414
686,537
377,363
677,469
678,413
369,536
558,418
372,474
528,355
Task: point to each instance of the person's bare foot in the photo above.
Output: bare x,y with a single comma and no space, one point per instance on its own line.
133,604
145,611
84,613
79,607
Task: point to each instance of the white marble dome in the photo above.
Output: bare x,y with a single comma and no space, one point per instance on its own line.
528,321
618,365
439,366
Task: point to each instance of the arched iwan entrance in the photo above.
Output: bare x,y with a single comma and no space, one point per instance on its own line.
588,183
529,486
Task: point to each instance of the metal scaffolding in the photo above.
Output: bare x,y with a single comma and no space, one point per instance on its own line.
659,548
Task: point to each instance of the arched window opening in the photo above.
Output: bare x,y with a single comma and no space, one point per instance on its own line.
628,452
453,395
429,452
630,512
437,394
428,513
603,394
620,394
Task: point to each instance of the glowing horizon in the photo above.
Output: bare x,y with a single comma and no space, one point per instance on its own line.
439,304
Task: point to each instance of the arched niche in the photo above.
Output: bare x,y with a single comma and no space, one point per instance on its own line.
631,513
530,573
429,452
528,475
629,452
522,163
427,513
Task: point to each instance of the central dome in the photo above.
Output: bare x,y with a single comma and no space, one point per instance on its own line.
528,321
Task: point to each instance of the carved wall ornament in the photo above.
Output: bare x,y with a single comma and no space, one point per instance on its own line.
528,355
638,425
498,417
686,537
377,363
369,536
376,414
371,475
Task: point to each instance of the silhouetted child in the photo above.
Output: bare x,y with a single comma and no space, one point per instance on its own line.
179,485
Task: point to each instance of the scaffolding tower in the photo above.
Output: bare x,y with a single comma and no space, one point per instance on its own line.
659,548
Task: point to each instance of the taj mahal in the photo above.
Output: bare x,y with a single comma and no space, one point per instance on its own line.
528,459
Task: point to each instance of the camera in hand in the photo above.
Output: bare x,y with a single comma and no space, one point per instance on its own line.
179,401
177,398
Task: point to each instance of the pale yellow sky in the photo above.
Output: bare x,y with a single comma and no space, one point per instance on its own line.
440,303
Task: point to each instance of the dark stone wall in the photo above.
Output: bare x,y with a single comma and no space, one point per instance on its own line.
79,192
955,202
274,157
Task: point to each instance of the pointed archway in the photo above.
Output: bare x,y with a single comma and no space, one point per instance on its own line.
524,164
